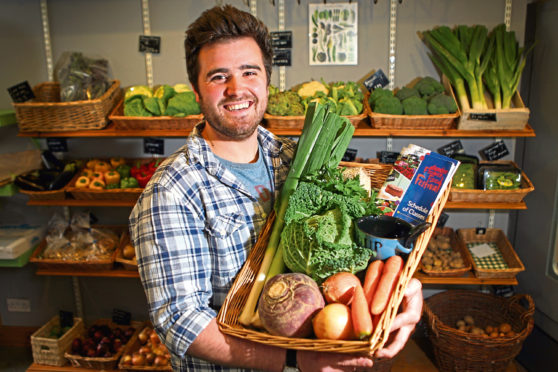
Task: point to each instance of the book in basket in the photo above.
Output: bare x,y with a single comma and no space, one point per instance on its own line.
415,184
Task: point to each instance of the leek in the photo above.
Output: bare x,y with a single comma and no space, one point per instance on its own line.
318,144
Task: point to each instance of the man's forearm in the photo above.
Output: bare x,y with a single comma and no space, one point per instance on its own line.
221,349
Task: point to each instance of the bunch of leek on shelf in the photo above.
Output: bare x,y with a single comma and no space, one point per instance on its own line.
322,143
472,58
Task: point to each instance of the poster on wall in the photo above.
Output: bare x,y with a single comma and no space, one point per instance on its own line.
333,34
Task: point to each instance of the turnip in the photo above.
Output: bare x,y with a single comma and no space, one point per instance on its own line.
288,303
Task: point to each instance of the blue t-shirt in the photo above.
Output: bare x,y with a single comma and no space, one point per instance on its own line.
256,177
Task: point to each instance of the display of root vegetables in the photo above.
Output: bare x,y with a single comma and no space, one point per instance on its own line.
343,307
468,324
148,351
440,255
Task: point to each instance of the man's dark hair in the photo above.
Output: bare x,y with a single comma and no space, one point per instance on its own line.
222,23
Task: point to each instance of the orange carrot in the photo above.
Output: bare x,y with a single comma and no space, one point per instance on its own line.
390,275
361,317
371,279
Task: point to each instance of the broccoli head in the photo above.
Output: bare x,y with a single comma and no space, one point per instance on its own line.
183,104
287,103
377,93
414,106
428,87
441,104
388,105
407,92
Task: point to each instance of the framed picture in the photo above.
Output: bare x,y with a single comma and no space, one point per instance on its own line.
333,34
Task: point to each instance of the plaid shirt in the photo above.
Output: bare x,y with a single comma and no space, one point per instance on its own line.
193,227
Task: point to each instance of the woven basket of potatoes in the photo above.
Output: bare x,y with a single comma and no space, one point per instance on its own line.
443,256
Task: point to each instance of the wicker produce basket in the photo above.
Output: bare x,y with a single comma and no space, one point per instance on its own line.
47,114
234,302
133,347
103,363
124,123
85,193
73,265
494,196
50,351
421,122
297,122
503,264
456,350
448,231
126,263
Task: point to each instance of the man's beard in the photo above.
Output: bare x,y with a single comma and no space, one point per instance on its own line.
233,129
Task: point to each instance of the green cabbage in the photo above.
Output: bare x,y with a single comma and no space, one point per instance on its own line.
322,245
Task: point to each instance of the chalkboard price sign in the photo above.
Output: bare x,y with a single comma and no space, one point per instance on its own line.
495,151
281,57
377,80
154,146
281,39
150,44
21,92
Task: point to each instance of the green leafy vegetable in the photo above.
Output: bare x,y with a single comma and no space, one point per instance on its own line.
322,245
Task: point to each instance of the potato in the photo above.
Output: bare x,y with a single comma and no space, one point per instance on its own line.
460,323
504,328
469,319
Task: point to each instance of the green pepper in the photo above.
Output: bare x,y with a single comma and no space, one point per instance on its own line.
113,186
129,183
123,170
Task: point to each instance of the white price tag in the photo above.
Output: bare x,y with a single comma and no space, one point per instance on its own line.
482,250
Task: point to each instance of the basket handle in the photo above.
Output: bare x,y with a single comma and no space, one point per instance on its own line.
432,318
530,304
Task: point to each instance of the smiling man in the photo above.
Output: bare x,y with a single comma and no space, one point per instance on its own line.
202,211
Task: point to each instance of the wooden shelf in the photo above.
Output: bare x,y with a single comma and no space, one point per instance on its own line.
115,273
467,279
82,203
362,131
129,203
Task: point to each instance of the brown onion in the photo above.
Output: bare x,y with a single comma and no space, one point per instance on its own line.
340,287
288,303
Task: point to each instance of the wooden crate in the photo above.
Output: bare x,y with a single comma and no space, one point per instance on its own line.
514,118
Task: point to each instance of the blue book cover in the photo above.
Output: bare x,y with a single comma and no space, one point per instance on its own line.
429,181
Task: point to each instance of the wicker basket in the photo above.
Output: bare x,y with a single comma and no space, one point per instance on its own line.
132,264
494,196
85,193
123,123
103,363
234,302
47,114
448,231
456,350
50,351
422,122
297,122
133,346
71,265
513,264
59,194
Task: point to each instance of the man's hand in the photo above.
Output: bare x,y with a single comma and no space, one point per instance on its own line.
404,323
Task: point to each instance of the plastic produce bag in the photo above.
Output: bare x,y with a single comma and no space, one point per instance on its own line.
82,78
